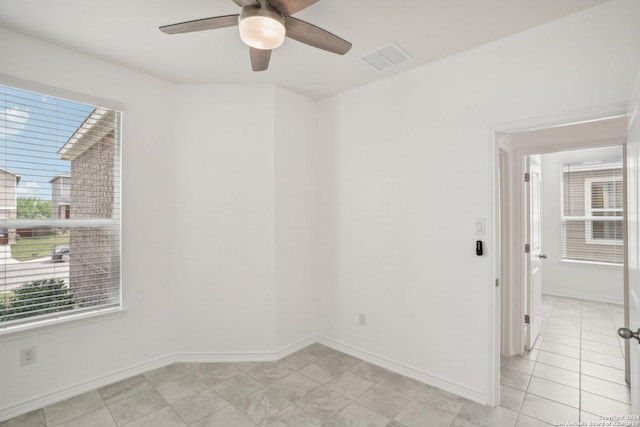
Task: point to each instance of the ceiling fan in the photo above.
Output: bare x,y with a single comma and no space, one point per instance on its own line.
263,26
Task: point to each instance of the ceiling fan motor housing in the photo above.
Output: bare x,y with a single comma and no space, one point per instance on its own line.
261,27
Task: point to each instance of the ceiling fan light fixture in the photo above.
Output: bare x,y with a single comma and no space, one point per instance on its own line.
261,28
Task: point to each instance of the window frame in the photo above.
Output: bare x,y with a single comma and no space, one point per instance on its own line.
37,324
589,210
566,219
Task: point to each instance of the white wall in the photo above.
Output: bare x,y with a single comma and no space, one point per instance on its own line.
296,214
412,158
245,211
218,246
224,216
596,282
82,352
403,168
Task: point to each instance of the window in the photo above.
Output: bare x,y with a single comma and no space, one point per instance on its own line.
592,212
603,205
59,208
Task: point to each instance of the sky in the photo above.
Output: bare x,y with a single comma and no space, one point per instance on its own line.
33,127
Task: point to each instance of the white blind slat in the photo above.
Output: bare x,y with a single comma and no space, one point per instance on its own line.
592,212
59,188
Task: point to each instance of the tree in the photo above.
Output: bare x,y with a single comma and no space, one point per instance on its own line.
33,208
43,296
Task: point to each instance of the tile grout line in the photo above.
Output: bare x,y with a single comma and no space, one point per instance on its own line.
581,341
556,309
550,317
535,362
108,409
526,392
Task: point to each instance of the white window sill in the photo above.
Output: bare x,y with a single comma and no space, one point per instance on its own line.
44,326
594,264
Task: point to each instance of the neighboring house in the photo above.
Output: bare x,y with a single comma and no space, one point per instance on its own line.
61,196
91,151
8,203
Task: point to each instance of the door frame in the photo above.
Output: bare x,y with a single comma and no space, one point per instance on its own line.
508,269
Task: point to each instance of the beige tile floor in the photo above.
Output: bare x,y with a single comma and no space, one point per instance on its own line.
574,372
314,387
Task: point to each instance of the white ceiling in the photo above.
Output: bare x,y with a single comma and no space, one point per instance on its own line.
126,32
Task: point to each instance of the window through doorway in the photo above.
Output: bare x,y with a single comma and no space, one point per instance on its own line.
582,258
592,208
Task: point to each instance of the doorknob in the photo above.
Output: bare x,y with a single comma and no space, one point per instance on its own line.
627,334
542,256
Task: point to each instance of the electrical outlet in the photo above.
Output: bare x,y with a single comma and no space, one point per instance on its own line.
27,356
362,319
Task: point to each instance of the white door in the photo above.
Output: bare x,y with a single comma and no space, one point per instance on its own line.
633,239
533,194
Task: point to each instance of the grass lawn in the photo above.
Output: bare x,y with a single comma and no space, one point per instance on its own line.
28,248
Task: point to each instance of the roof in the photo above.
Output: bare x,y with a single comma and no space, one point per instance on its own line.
96,126
62,175
11,173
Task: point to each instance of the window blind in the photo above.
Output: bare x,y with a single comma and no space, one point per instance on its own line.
592,212
59,207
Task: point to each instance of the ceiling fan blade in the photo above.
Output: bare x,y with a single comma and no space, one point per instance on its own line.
201,24
289,7
315,36
243,3
259,58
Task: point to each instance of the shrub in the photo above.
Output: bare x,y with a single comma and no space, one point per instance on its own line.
43,296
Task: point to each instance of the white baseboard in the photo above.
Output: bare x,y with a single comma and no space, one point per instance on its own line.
255,356
408,371
588,297
47,399
50,398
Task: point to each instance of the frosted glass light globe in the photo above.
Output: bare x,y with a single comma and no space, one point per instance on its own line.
261,28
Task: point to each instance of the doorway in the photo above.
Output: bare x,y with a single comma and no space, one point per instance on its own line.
548,379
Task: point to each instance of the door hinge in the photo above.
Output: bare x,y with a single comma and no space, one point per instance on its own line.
527,177
527,319
527,248
497,282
